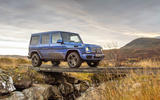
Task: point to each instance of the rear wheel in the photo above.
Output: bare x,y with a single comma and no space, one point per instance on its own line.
36,61
74,60
93,63
55,63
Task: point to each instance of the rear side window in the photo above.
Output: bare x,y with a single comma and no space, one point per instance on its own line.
35,40
45,39
56,37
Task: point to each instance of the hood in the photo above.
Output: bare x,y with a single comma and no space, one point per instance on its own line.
71,45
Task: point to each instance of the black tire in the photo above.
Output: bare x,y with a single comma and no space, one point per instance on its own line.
36,61
93,63
55,63
74,60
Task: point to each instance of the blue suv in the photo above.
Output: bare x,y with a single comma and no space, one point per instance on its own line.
56,46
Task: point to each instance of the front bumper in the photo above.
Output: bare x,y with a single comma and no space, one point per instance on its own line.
92,56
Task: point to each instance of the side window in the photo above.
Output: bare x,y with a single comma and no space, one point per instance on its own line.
56,37
45,39
35,40
74,38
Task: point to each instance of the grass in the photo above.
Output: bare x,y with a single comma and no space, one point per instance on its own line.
132,87
14,67
147,63
82,76
131,63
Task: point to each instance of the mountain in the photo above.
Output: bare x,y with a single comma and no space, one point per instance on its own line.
143,43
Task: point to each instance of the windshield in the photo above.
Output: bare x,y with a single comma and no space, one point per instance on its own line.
71,37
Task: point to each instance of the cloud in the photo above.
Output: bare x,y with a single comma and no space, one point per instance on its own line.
97,21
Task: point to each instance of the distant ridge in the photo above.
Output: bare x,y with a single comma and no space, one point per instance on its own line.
158,37
143,43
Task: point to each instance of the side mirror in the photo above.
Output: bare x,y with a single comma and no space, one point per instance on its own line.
59,41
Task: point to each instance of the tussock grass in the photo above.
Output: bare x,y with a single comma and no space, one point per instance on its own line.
82,76
147,63
13,61
131,63
132,87
19,72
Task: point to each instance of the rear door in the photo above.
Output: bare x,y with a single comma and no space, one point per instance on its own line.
45,44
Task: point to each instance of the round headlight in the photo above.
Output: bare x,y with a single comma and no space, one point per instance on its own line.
87,50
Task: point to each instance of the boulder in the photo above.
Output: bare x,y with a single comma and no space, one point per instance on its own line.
6,83
49,80
81,87
72,80
22,84
38,92
15,96
66,88
56,93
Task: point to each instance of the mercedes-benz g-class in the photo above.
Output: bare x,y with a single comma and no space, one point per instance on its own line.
57,46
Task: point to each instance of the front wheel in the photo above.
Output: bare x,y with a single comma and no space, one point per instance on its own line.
93,63
36,61
74,60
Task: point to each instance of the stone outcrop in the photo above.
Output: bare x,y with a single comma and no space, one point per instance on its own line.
57,86
16,96
38,92
6,83
23,84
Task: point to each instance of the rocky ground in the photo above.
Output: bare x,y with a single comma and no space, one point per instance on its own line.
56,86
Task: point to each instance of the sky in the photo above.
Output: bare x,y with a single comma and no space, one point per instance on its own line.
102,22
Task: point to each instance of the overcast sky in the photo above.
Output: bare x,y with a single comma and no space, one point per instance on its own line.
97,21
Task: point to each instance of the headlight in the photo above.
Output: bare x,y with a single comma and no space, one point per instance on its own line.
102,50
88,50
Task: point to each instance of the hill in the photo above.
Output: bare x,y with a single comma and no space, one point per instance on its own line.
141,48
143,43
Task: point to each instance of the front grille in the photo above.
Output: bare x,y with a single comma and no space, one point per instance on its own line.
96,50
89,57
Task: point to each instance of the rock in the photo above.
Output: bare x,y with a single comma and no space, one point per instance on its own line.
81,87
61,80
93,93
6,83
15,96
72,80
38,92
66,88
22,84
50,80
70,97
56,92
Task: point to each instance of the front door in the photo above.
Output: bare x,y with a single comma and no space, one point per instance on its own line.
57,50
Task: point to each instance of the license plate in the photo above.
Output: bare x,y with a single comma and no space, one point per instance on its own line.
98,55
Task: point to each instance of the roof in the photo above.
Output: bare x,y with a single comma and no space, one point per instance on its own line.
51,32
